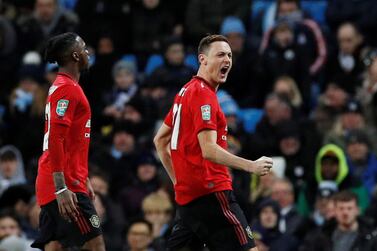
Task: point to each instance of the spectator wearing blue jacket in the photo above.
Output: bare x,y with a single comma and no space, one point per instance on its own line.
361,160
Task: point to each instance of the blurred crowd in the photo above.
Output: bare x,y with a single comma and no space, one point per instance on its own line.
302,90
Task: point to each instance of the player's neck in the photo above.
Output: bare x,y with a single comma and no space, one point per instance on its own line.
71,71
204,76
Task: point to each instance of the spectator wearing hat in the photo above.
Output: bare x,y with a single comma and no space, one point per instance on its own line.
244,75
25,112
166,80
361,160
331,165
350,118
324,205
118,160
147,181
266,229
124,88
298,150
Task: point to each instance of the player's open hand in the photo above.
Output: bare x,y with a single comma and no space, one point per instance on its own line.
67,202
262,166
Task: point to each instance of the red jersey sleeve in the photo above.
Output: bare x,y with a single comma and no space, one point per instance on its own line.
169,118
204,110
63,103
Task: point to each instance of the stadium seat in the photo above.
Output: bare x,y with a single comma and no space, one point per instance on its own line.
153,62
192,60
260,6
316,9
250,118
68,4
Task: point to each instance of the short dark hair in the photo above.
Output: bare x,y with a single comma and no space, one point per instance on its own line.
206,42
141,221
8,155
58,48
345,196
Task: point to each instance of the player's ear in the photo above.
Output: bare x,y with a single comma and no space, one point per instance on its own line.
202,59
75,56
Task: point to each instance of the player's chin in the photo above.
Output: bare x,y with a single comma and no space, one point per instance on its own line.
222,79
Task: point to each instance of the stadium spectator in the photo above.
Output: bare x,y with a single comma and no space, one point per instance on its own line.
265,138
158,209
359,12
10,227
139,236
100,181
361,160
205,16
11,167
346,232
352,117
119,159
324,203
244,74
124,88
54,20
284,56
307,33
290,221
112,222
146,182
168,78
286,86
366,95
266,229
331,165
298,151
346,66
151,23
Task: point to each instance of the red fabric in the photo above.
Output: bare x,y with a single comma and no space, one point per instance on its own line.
66,141
195,175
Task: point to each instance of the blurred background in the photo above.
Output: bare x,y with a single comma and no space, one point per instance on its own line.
302,90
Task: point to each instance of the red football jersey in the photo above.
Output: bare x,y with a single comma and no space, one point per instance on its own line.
196,108
66,105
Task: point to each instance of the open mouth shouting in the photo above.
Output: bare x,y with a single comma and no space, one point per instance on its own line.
224,71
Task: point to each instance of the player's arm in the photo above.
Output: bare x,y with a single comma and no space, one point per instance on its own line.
213,152
162,143
66,199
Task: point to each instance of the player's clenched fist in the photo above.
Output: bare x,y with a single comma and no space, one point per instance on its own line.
261,166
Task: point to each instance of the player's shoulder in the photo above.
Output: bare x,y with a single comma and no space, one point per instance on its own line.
197,86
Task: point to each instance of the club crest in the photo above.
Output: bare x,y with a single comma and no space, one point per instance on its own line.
95,221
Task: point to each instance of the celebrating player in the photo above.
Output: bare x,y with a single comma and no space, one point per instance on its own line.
63,190
192,145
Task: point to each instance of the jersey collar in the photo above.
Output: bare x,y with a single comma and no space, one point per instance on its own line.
205,82
68,76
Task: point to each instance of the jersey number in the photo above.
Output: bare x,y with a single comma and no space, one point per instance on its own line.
176,121
48,118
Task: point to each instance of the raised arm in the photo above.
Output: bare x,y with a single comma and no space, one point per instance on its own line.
213,152
162,143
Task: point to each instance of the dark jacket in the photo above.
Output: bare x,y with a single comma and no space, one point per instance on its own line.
320,239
